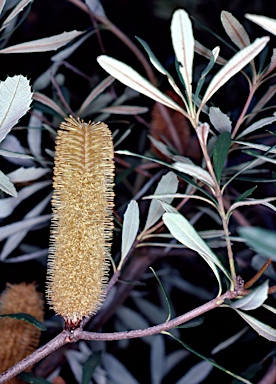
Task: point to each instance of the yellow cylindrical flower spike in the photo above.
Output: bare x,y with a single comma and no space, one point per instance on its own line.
19,338
81,228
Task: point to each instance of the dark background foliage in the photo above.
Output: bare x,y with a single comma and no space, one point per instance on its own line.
149,20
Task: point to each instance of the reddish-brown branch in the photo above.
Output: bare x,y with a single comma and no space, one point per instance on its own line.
78,334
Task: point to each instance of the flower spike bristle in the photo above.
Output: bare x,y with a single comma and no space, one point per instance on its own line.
81,227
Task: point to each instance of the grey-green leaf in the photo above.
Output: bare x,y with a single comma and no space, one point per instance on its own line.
254,299
6,185
130,228
185,233
167,185
194,171
260,239
15,101
220,120
89,367
197,373
26,317
221,149
262,329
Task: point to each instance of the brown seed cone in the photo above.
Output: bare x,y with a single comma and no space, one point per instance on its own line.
19,338
82,225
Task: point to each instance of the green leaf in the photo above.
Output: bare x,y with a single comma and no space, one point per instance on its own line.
160,67
26,317
245,194
260,240
221,149
89,367
130,228
185,233
254,299
164,293
30,378
206,359
205,72
262,329
167,185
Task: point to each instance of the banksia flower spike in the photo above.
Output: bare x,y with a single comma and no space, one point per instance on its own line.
19,338
81,228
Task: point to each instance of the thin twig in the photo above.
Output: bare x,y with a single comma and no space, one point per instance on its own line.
74,336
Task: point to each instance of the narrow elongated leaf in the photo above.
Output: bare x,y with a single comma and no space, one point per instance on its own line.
183,45
245,194
6,153
35,134
234,65
132,79
117,371
15,101
90,366
2,4
6,185
27,174
263,21
269,93
155,62
220,120
168,184
220,154
95,92
95,7
26,317
205,52
43,45
261,147
14,239
19,7
66,52
204,73
7,205
125,109
257,125
260,239
195,171
197,373
231,340
10,229
157,356
130,228
185,233
262,329
254,299
252,202
234,30
28,377
208,360
45,100
272,64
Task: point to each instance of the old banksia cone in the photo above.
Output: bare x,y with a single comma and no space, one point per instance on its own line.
81,228
19,338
